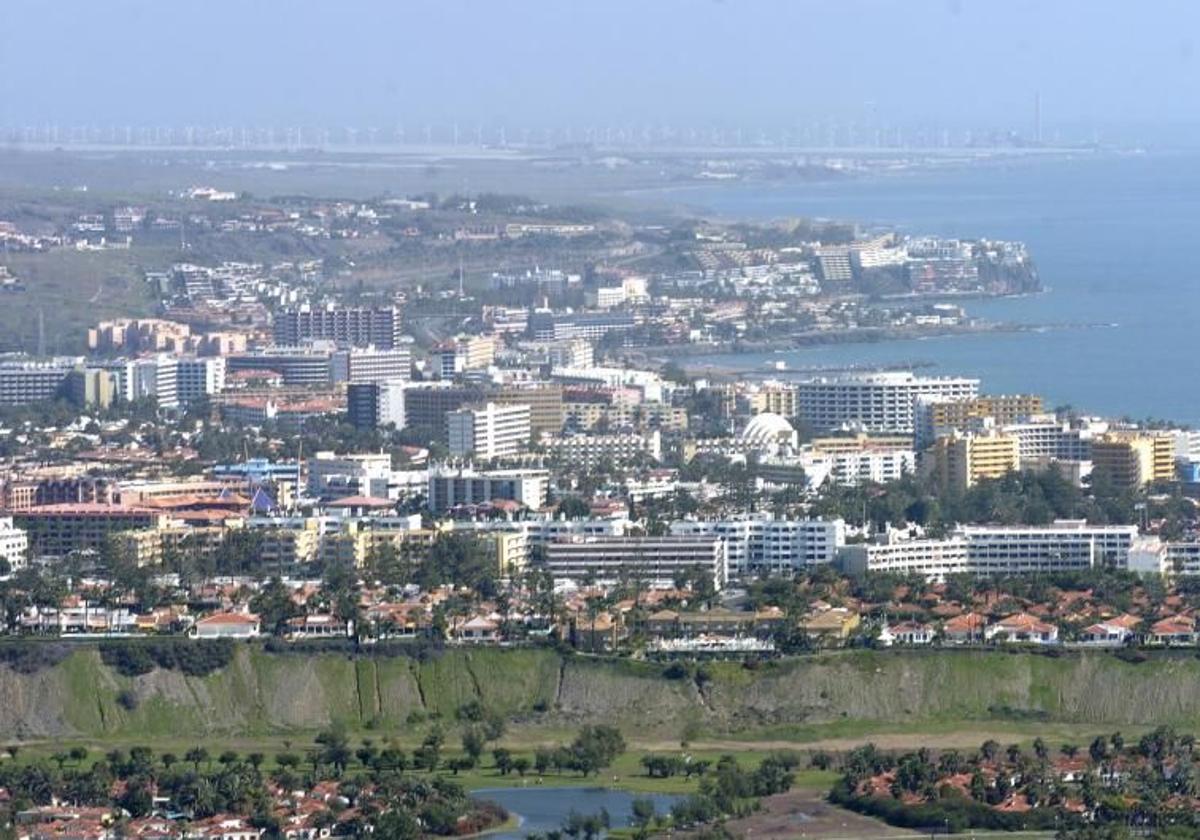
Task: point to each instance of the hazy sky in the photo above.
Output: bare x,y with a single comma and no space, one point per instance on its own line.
577,62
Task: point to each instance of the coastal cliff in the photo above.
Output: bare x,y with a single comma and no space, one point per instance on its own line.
260,693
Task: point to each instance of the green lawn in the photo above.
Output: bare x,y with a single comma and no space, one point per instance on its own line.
626,772
937,732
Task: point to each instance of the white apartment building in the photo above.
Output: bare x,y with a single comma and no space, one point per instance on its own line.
834,263
1187,445
588,450
524,534
651,386
566,353
1148,555
372,364
762,544
1050,438
154,377
14,544
606,297
489,431
879,252
872,466
506,320
332,476
999,550
24,381
552,530
935,559
653,560
1064,544
880,403
1183,558
657,484
451,487
166,381
199,378
852,469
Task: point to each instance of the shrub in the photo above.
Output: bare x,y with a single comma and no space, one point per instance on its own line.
127,699
1130,655
677,671
821,760
127,660
194,658
31,657
472,710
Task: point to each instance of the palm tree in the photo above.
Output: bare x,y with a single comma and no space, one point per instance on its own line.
205,798
196,755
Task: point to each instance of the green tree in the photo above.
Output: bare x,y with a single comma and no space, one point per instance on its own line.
274,606
197,756
473,743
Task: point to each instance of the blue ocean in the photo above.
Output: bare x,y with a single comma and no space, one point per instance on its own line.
1112,237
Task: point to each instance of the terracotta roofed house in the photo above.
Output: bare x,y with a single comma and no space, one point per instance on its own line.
912,633
229,625
964,629
1022,627
1173,631
477,629
1111,633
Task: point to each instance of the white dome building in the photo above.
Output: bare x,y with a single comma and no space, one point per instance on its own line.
769,432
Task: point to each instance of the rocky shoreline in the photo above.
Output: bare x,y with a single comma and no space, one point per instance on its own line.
863,335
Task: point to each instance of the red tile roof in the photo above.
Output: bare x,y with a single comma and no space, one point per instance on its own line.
229,618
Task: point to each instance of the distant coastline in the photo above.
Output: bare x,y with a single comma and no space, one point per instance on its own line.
863,335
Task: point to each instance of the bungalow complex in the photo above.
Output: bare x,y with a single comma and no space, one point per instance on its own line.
399,621
93,823
669,624
317,626
598,634
834,623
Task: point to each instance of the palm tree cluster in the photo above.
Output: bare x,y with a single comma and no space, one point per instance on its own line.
374,795
1147,785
